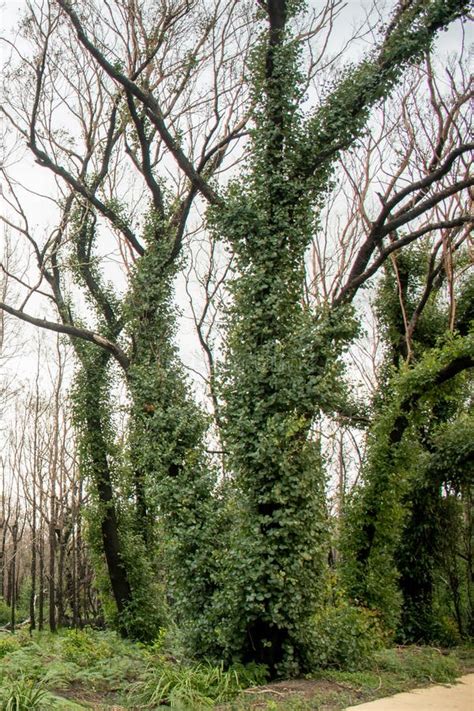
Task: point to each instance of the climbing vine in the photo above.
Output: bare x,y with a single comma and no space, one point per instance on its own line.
400,496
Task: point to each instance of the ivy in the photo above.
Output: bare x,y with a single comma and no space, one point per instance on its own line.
244,562
401,477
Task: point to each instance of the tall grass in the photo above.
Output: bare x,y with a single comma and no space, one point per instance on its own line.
23,695
186,687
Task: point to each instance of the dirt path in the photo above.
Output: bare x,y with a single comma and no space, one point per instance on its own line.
458,697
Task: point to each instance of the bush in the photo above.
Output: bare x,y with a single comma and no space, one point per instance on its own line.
345,637
5,612
84,648
7,644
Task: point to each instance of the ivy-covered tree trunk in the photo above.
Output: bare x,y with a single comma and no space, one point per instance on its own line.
282,363
92,421
397,520
271,379
416,560
175,507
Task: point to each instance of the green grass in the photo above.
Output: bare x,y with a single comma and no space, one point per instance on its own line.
197,686
86,664
98,662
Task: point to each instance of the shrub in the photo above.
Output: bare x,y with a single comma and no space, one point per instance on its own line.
5,612
345,637
84,648
7,644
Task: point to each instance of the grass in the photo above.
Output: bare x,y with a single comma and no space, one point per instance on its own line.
191,686
73,670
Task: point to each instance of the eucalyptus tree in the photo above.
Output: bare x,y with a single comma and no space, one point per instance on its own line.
409,501
248,561
427,117
415,490
406,505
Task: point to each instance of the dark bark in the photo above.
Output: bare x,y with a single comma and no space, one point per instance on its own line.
52,568
266,645
13,576
33,564
415,560
119,582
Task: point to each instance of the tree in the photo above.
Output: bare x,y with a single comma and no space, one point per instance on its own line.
405,507
282,360
47,570
113,127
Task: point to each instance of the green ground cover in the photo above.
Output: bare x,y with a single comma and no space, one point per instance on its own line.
89,669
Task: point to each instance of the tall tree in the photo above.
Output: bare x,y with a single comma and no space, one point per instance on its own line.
111,124
282,361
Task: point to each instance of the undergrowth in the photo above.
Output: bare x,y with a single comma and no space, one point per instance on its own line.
36,669
74,670
198,686
22,695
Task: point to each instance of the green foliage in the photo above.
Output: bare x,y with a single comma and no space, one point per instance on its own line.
169,472
381,509
283,364
102,662
282,367
94,661
342,117
244,563
135,675
412,267
21,609
23,695
7,644
199,686
347,637
5,612
84,648
453,451
401,533
421,663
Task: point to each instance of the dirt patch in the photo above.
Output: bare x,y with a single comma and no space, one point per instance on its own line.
330,694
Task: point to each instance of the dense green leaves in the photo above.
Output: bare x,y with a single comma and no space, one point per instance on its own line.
244,560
